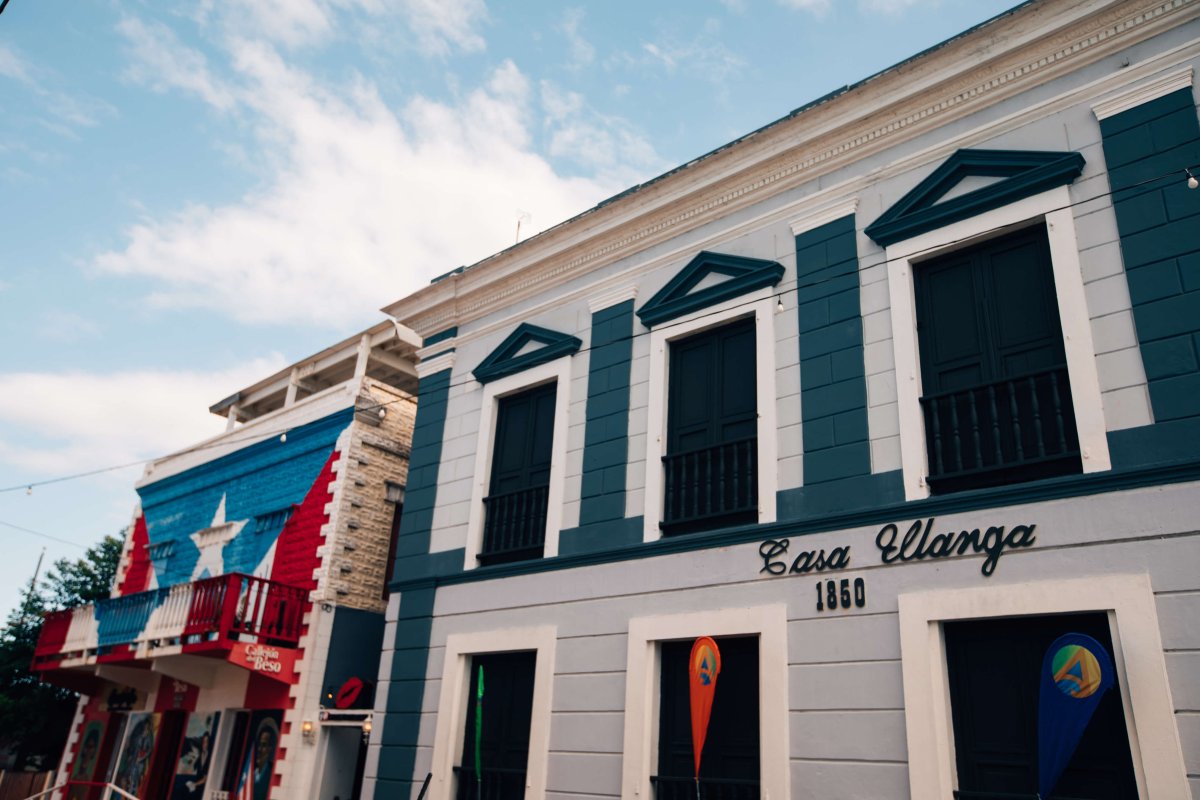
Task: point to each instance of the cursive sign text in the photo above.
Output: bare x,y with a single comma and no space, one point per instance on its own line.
917,543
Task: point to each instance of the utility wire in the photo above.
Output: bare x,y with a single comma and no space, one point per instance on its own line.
42,535
1125,192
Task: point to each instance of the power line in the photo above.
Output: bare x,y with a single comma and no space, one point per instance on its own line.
42,535
1125,192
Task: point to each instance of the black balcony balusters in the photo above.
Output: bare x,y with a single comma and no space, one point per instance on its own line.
1010,430
711,486
514,526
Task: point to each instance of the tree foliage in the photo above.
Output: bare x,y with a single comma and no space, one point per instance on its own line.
35,717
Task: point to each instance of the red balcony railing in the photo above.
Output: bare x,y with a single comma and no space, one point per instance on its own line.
230,606
209,614
55,626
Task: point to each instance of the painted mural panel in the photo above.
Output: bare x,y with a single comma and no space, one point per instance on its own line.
258,757
133,770
84,769
226,515
195,756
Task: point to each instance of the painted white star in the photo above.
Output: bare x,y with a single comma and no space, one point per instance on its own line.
211,543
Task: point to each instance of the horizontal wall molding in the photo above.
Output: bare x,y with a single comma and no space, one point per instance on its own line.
1040,491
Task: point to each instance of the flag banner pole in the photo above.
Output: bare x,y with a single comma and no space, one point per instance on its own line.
704,665
479,736
1076,672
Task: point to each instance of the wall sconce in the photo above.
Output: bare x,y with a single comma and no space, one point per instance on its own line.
306,731
366,729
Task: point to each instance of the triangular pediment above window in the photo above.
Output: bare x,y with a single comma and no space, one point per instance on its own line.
708,279
527,346
1007,176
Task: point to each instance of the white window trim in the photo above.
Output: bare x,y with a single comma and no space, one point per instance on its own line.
760,304
1137,654
455,695
1053,206
557,370
642,690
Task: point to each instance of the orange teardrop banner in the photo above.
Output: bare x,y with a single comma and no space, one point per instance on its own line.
703,668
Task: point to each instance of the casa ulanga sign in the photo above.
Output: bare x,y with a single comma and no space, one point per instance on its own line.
895,543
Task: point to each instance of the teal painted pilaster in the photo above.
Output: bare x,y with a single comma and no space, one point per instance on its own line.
602,523
400,726
832,380
1157,219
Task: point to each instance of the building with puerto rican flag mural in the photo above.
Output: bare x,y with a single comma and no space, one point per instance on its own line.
237,655
897,399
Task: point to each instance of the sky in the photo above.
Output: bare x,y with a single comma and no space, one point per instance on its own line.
195,194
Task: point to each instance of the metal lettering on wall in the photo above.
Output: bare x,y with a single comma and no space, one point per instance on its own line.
916,544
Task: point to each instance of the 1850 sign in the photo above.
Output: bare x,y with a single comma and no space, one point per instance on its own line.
917,543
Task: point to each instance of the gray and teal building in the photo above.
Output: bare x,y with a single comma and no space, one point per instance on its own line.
886,397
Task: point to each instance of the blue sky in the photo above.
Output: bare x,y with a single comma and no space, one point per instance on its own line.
194,194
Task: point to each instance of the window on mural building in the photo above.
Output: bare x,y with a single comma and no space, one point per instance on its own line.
711,461
729,766
996,397
994,669
499,717
514,526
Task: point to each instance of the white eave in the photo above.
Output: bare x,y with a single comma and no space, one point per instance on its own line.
384,352
1011,53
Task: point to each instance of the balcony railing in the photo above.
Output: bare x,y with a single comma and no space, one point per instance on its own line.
239,605
1011,430
710,788
207,614
710,486
493,784
514,526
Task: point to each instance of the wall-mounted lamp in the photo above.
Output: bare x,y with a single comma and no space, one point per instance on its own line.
366,728
307,731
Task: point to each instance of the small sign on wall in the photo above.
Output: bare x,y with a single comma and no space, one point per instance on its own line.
277,663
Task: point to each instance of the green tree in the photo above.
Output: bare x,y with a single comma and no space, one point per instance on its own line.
35,717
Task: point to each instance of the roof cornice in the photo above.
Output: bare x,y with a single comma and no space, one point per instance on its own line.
1013,54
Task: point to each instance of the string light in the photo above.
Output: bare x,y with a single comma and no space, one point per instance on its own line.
1192,182
283,436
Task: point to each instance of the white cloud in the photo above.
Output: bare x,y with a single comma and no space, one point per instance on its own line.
366,203
602,144
705,56
68,110
442,26
68,422
12,65
438,26
817,7
66,326
892,7
582,51
162,62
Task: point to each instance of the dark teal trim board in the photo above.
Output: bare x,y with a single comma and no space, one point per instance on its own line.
1024,173
678,298
833,399
505,361
1158,222
606,424
440,336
